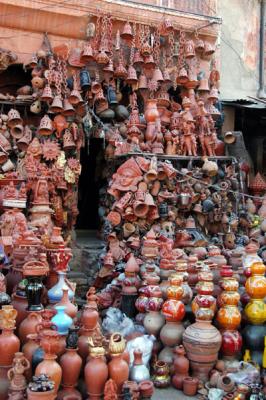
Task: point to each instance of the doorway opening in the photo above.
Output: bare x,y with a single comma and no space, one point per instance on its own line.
90,181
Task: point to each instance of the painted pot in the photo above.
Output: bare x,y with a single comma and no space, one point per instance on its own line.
62,320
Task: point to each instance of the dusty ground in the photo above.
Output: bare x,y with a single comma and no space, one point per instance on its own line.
171,394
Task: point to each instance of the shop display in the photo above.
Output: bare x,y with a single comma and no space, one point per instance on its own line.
181,277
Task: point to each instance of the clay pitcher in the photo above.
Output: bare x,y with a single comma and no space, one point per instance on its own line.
96,373
28,325
70,308
118,367
181,367
71,364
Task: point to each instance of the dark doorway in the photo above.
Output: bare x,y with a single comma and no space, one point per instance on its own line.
92,161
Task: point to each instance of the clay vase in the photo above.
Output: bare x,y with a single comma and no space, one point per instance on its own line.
70,308
202,342
4,382
190,386
49,395
118,370
70,363
28,326
181,367
51,368
153,322
28,349
9,345
96,375
151,112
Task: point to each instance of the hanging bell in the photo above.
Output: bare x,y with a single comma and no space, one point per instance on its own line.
157,75
57,105
182,77
102,58
146,50
111,96
143,82
74,97
46,126
68,108
189,49
127,34
68,142
109,68
99,97
24,142
85,80
47,94
87,53
131,75
209,49
95,87
13,118
199,45
213,95
120,71
17,131
149,62
204,85
138,60
36,107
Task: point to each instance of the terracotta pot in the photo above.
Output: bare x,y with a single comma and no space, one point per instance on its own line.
28,325
28,349
190,386
118,370
151,113
50,395
51,368
89,317
171,333
68,393
71,364
225,383
153,322
9,345
96,375
202,342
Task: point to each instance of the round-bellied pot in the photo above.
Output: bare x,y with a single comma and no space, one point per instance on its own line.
190,386
49,395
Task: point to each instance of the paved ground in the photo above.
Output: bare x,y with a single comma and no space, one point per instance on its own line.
171,394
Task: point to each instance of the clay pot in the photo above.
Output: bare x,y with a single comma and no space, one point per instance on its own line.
181,367
153,322
161,376
171,333
190,386
96,375
71,364
4,382
50,395
118,370
28,349
9,345
28,326
151,113
146,389
202,342
225,383
51,368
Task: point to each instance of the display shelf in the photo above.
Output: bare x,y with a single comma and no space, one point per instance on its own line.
174,157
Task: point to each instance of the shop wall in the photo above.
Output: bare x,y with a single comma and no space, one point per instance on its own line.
239,43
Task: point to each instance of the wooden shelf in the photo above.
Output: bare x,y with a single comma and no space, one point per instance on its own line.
174,157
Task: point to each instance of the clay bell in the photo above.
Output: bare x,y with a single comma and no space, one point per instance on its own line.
37,82
152,173
143,83
24,142
75,97
99,97
213,95
182,77
46,126
85,80
126,33
199,45
204,85
138,60
95,87
68,142
17,131
3,157
14,118
131,75
33,62
109,68
157,75
36,107
57,105
189,49
102,58
68,108
47,94
120,71
149,62
209,49
87,54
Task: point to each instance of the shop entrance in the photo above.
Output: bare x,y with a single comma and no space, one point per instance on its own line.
90,182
